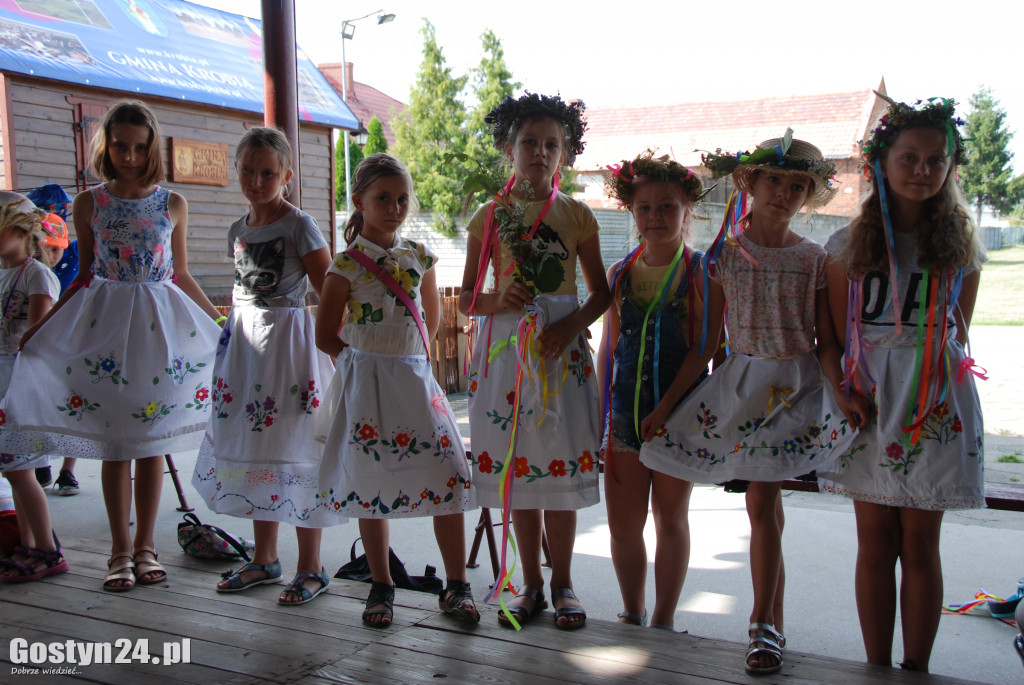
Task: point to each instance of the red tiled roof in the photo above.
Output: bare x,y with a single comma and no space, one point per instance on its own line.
365,101
833,122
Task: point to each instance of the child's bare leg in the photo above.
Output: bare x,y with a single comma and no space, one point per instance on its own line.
780,588
450,531
921,584
528,529
670,503
309,560
30,503
376,541
560,527
265,539
765,556
149,479
879,540
116,479
627,485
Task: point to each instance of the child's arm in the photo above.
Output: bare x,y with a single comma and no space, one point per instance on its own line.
38,305
857,409
609,338
693,364
316,264
513,298
329,314
964,311
81,211
556,337
431,302
178,208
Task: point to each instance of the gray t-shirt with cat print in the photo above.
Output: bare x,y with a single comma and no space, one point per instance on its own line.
268,260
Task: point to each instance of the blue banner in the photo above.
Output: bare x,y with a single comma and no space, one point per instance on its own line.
170,48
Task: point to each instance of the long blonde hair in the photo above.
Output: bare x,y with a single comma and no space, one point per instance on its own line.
951,240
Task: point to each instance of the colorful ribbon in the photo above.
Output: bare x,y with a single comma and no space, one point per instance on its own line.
775,392
967,365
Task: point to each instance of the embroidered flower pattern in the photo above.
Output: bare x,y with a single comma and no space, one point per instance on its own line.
201,399
153,411
308,397
180,368
105,367
261,413
402,503
578,364
77,405
221,397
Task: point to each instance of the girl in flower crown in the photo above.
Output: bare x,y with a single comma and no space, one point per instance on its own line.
903,286
654,320
767,414
534,402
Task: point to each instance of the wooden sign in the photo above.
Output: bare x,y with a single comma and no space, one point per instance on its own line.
194,161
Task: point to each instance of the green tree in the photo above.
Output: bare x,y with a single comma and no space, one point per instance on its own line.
355,155
433,126
492,83
375,140
986,180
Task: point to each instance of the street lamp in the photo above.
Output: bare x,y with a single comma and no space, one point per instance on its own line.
348,30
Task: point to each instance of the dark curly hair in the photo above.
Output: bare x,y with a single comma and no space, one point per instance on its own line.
622,183
506,119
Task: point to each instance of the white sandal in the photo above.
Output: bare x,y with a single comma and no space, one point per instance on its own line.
763,639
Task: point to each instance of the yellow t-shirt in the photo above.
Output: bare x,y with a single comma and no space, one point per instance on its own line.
568,224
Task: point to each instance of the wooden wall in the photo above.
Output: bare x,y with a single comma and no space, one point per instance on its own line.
42,135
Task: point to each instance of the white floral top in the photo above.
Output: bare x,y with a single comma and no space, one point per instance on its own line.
375,321
132,237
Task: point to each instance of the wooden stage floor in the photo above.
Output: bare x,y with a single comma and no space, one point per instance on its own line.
247,638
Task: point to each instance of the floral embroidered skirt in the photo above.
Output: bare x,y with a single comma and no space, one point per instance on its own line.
944,470
259,459
753,419
392,444
122,371
559,422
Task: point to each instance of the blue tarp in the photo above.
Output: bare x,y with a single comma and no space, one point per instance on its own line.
170,48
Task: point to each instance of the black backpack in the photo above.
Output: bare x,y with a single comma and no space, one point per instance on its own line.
359,569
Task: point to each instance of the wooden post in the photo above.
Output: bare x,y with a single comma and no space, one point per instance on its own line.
280,89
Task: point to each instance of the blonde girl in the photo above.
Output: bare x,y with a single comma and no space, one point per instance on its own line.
393,448
903,286
259,460
27,290
139,334
654,320
534,408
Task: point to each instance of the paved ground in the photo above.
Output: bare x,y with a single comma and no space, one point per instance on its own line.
981,549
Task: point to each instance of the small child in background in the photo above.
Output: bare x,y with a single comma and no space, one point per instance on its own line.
118,369
259,459
27,290
654,320
903,284
393,448
767,413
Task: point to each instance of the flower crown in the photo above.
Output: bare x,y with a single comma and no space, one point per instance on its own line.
937,113
533,106
622,183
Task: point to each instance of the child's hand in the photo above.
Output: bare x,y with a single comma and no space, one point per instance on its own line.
857,410
556,338
28,335
515,297
650,426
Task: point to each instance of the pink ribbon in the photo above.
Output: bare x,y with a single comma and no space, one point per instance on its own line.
968,366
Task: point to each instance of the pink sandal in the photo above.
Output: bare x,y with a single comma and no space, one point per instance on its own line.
26,571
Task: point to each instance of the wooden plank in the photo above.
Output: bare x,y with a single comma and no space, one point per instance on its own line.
1005,496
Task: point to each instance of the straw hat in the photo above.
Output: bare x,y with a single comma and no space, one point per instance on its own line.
786,155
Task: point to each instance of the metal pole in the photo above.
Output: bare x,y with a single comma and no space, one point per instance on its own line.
280,81
344,133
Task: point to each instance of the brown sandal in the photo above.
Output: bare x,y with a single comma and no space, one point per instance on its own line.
123,574
145,566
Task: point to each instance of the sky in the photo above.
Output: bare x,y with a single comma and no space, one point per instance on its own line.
654,53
